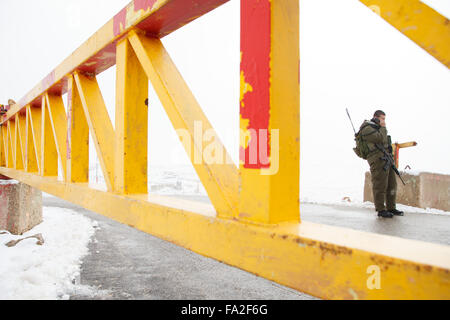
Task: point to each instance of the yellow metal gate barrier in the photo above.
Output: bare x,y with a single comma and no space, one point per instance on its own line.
254,223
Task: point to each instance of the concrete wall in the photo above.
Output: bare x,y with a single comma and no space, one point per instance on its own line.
424,190
20,207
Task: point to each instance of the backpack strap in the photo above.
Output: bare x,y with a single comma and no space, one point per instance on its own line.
371,124
368,134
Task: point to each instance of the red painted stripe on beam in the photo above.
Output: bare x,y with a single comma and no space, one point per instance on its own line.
176,14
143,4
255,64
101,61
165,20
119,21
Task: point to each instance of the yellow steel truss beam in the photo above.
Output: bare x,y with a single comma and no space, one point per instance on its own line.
325,261
420,23
220,180
321,260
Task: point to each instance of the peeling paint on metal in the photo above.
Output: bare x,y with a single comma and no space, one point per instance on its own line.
119,21
175,14
48,80
143,4
255,70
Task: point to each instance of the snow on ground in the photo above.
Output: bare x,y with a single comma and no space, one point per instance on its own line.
6,182
51,271
163,180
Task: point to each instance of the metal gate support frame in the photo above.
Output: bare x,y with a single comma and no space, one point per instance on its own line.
254,220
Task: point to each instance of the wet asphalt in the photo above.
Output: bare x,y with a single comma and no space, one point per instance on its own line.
126,264
416,226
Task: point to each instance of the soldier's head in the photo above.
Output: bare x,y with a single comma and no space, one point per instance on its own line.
381,117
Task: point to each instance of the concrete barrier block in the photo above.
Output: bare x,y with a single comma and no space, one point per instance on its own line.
20,207
435,191
422,190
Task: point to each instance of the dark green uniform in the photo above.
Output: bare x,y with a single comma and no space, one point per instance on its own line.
384,182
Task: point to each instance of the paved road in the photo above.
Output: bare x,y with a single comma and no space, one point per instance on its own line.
130,264
417,226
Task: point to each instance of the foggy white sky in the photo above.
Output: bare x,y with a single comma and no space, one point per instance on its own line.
349,58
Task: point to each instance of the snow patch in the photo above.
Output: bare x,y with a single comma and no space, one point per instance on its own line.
7,182
51,271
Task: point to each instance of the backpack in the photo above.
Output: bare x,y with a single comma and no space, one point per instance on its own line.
362,149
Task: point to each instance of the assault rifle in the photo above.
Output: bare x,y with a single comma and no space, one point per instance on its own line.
389,161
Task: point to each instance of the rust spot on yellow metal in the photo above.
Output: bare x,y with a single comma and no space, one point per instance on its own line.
334,249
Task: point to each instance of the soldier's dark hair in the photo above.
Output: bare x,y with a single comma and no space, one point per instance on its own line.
378,113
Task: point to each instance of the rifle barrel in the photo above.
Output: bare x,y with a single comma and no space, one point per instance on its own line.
388,158
351,121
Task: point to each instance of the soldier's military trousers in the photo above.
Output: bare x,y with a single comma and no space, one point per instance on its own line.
384,185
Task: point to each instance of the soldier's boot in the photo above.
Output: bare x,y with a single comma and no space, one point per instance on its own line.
396,212
385,214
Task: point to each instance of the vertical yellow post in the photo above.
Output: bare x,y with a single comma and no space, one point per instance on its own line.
4,133
58,121
7,134
20,139
270,111
12,140
31,164
35,114
2,149
49,154
131,122
78,137
17,153
12,143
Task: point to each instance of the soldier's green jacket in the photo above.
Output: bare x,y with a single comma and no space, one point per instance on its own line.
384,184
373,134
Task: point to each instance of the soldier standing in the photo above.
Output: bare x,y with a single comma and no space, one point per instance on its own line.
384,183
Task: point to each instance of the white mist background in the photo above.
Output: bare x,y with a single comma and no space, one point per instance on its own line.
349,58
